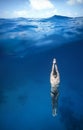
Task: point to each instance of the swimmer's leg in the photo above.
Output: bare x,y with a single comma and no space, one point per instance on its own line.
54,96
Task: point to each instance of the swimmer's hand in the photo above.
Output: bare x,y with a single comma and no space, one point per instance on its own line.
54,61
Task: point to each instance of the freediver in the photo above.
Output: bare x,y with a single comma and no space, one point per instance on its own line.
54,80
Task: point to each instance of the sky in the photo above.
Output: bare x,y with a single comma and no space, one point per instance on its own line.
40,8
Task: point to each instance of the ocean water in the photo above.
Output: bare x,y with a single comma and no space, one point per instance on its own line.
27,48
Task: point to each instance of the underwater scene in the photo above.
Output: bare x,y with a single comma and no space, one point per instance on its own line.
27,49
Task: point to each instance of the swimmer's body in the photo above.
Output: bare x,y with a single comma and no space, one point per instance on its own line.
54,80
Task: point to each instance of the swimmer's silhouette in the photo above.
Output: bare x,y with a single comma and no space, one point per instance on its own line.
54,80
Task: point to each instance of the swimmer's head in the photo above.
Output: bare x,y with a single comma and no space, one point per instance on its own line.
54,61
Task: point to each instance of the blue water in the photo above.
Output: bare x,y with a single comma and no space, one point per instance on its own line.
27,48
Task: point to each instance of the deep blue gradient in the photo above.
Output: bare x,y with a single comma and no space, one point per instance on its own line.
27,48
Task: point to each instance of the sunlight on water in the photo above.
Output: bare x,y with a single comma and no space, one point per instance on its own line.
18,35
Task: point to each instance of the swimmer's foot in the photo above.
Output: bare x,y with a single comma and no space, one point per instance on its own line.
54,112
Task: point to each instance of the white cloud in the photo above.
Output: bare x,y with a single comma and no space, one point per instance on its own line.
32,13
72,2
36,9
42,8
41,4
20,13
